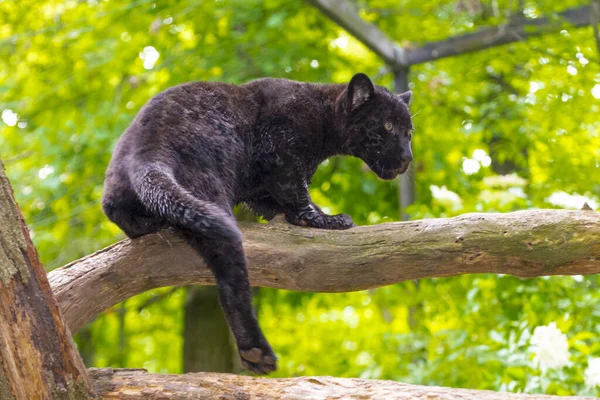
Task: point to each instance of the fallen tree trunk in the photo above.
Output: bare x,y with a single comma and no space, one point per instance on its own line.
130,384
524,243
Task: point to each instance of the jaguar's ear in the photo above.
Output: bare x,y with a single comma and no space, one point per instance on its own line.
360,91
406,97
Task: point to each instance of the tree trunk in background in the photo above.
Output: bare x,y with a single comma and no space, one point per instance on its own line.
38,359
207,344
85,345
122,353
407,180
407,197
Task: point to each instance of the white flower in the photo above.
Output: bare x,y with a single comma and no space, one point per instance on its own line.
9,117
481,156
45,171
149,56
470,166
504,181
550,347
574,200
445,196
596,91
592,372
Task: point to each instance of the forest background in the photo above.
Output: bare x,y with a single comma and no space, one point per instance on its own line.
509,128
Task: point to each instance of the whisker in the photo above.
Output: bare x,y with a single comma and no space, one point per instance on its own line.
412,116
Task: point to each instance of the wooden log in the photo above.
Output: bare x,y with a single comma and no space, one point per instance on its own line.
128,384
524,243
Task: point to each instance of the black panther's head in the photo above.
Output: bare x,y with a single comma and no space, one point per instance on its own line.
377,126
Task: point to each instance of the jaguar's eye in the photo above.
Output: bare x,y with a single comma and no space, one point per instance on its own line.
388,126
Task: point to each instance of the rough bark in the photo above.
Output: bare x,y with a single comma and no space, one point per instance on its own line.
343,13
38,359
138,384
524,243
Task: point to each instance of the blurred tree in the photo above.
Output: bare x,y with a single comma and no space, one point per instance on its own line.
207,343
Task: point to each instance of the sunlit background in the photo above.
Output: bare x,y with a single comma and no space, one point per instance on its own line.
508,128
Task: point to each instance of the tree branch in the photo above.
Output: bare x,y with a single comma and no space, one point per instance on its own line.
524,243
342,12
595,16
129,384
515,31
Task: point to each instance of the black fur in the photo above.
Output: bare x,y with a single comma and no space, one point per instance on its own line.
196,150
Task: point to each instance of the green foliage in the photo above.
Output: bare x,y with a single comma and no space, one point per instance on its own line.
72,73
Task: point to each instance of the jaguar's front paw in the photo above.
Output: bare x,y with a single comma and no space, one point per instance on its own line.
339,221
297,220
321,221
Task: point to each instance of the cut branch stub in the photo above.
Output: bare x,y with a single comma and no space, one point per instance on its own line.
524,243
